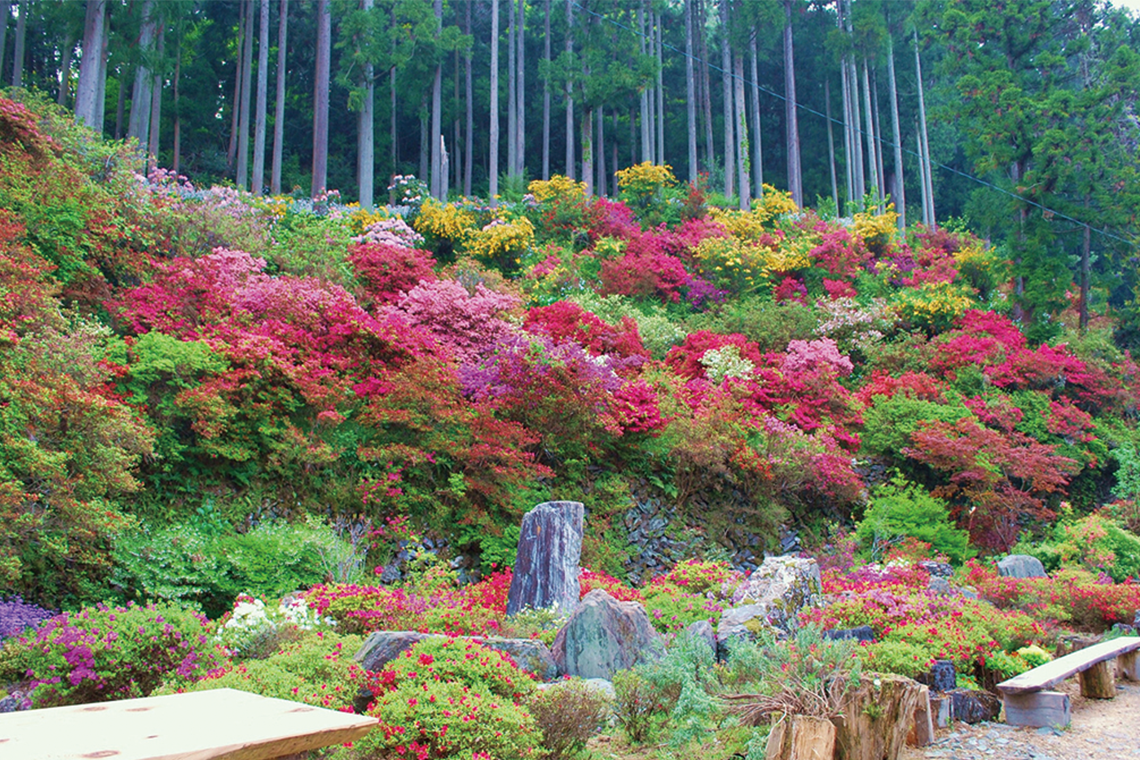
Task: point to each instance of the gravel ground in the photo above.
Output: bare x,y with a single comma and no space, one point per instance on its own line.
1101,730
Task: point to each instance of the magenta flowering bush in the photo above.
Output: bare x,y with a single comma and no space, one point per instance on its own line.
103,653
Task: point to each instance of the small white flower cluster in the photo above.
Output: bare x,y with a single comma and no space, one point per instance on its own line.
726,361
252,623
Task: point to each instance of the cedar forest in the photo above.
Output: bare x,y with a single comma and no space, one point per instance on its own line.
272,312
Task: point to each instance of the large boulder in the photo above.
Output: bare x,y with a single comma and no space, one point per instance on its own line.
381,647
546,566
771,596
604,636
529,654
1021,566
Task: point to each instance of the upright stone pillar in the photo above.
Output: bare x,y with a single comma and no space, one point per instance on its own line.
546,567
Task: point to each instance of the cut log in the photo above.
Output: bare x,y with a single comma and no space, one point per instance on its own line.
1126,667
1038,710
922,732
877,718
801,737
1097,682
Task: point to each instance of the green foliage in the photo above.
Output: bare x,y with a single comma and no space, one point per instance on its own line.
638,702
683,679
900,657
568,713
890,422
904,510
772,325
317,669
207,570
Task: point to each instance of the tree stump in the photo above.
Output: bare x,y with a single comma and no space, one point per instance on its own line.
801,737
922,731
877,718
1097,682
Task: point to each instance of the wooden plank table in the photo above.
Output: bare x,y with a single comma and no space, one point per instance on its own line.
222,724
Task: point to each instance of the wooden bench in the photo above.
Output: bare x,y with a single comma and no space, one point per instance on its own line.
205,725
1028,702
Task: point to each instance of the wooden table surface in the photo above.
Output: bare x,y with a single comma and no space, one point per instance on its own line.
204,725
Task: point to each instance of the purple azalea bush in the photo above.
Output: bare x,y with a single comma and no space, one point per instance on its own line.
16,616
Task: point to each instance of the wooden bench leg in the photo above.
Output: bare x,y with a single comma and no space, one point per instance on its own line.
1126,666
1038,709
1097,682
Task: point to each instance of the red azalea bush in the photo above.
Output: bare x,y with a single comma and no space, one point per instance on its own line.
590,580
389,271
566,320
646,275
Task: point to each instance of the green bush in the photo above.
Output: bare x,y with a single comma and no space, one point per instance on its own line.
462,661
903,510
317,669
568,713
104,653
900,657
772,325
672,608
205,568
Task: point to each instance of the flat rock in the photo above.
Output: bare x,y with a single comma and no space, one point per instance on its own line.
546,566
971,706
604,636
1021,566
381,647
529,654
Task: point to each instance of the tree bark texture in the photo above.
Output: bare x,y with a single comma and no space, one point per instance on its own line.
899,190
246,97
262,100
690,93
321,100
88,88
795,181
493,170
279,104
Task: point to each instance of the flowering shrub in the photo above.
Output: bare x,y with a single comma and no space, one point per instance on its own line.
674,608
16,616
698,576
588,580
317,670
389,231
645,275
389,271
502,243
568,714
104,653
252,628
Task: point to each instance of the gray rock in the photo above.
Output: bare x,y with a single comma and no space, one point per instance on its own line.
861,633
702,630
734,621
381,647
1021,566
1136,621
943,676
604,636
968,592
781,586
937,569
546,567
974,706
940,585
391,574
529,654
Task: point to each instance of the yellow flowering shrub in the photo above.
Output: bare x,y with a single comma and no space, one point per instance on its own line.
731,263
876,230
502,242
746,225
609,247
774,203
934,305
448,222
558,187
360,219
790,255
275,206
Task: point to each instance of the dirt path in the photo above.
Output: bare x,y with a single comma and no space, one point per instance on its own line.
1101,730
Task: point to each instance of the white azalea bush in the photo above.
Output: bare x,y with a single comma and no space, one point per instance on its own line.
254,630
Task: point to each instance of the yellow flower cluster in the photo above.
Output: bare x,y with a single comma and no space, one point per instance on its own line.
935,305
274,205
774,203
876,231
731,263
558,187
645,179
790,255
500,240
360,219
445,222
609,247
746,225
977,256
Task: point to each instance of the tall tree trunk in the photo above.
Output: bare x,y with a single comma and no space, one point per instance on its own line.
869,125
469,139
18,49
235,111
176,161
139,125
898,191
425,141
690,93
845,92
520,92
436,137
601,151
279,104
246,97
455,175
101,95
925,137
660,95
393,112
5,13
646,147
1086,259
65,71
569,93
883,190
922,174
156,104
88,88
757,146
512,91
321,99
795,180
860,188
706,86
744,182
830,143
588,150
546,96
493,170
726,87
261,112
